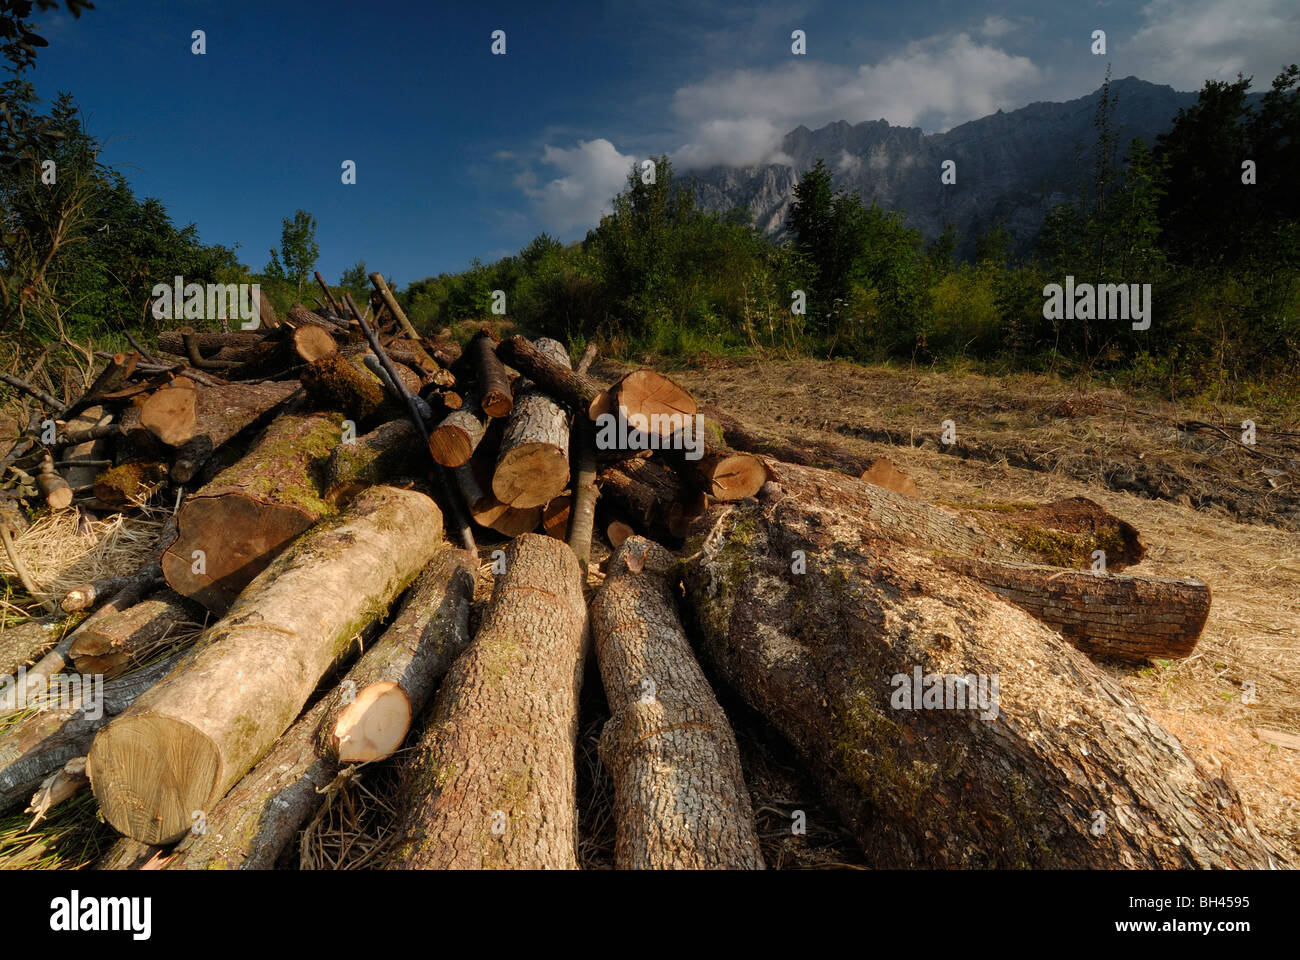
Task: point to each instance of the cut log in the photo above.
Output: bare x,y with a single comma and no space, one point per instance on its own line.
1060,534
947,727
190,739
395,678
335,383
574,390
680,801
493,385
390,451
456,438
652,498
224,412
487,510
85,595
286,349
808,453
253,824
650,402
533,465
171,412
493,778
884,473
715,470
77,465
55,490
1107,615
131,637
617,532
36,746
232,528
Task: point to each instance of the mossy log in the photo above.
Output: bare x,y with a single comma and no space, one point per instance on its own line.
532,465
392,450
232,528
128,482
222,413
1106,615
189,739
258,819
131,637
334,382
492,779
946,726
679,795
35,746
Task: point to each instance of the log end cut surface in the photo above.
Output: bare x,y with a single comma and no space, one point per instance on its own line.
374,725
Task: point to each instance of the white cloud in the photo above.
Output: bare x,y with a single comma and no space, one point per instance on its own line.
847,162
740,117
1185,42
592,173
994,27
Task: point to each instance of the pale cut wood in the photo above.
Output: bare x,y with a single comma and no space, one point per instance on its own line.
190,739
225,411
493,774
257,821
680,801
131,637
456,438
650,402
652,498
171,412
555,516
617,532
533,464
232,528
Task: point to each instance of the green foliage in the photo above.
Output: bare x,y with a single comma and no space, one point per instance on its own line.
298,252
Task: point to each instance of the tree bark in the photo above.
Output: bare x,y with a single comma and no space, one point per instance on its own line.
533,464
26,642
652,498
129,638
1107,615
1057,766
582,508
679,795
171,341
288,348
222,413
574,390
493,775
493,384
392,450
251,511
253,824
334,383
720,472
190,739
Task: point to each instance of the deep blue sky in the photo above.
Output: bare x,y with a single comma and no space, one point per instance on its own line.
463,154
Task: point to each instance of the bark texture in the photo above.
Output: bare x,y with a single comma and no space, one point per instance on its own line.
1056,766
181,747
679,795
492,782
533,464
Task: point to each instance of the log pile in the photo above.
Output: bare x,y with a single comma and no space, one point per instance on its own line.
339,483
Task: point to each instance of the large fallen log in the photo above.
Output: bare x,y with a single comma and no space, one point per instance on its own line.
679,795
1062,534
1108,615
493,775
532,466
947,727
232,528
370,711
333,382
36,746
189,740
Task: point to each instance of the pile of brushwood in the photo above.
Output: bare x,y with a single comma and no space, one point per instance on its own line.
330,476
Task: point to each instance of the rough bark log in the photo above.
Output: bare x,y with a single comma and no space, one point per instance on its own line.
55,490
287,349
224,412
253,824
574,390
456,438
170,341
131,637
831,653
493,775
1059,534
390,451
33,748
1108,615
652,498
335,383
582,510
533,464
679,795
718,471
186,742
251,511
493,385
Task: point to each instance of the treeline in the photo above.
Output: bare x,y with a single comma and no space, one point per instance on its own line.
1222,256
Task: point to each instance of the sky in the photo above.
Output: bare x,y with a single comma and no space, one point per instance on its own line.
461,153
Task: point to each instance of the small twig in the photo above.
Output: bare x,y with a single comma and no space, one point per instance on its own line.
20,568
56,405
